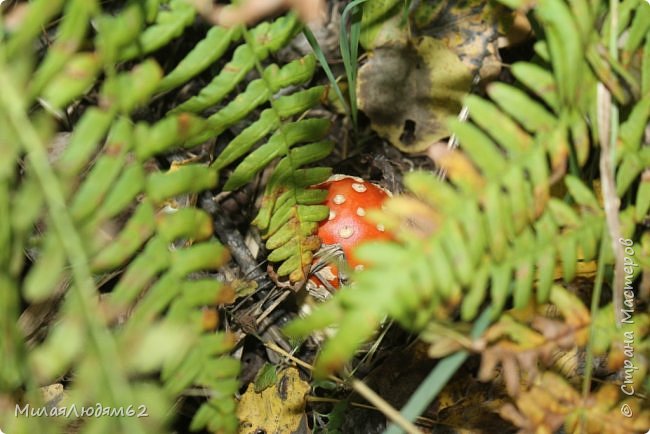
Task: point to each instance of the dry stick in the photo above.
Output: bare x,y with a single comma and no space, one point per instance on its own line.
608,146
388,410
272,307
607,116
230,236
312,398
360,387
273,347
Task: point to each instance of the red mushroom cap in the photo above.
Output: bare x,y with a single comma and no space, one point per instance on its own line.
349,199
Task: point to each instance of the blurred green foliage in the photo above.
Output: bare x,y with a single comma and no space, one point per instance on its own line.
97,209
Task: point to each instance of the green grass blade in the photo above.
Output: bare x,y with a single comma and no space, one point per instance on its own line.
349,45
318,52
438,378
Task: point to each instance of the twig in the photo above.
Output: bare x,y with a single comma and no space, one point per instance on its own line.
273,347
421,420
607,132
388,410
272,307
230,236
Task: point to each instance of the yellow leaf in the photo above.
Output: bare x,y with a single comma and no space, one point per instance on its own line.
279,409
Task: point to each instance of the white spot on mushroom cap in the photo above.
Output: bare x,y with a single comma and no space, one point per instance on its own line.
338,199
346,231
339,177
332,215
361,212
359,188
380,227
358,267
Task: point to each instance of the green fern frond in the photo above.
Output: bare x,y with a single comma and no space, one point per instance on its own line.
494,231
103,193
268,39
290,211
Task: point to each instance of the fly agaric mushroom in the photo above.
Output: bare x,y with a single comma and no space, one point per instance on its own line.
349,199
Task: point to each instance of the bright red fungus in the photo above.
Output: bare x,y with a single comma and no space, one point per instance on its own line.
349,199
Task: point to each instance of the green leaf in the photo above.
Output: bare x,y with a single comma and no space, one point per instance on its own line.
44,276
268,121
137,231
480,148
503,129
38,14
539,80
565,44
530,114
203,256
123,192
189,223
204,54
70,34
73,81
127,91
166,134
266,377
269,38
631,131
169,24
90,129
192,178
160,342
104,173
109,42
581,193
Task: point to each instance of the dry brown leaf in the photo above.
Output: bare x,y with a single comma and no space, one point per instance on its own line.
252,11
552,402
409,91
524,337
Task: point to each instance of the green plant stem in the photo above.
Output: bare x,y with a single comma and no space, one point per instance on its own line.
595,300
438,377
83,287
